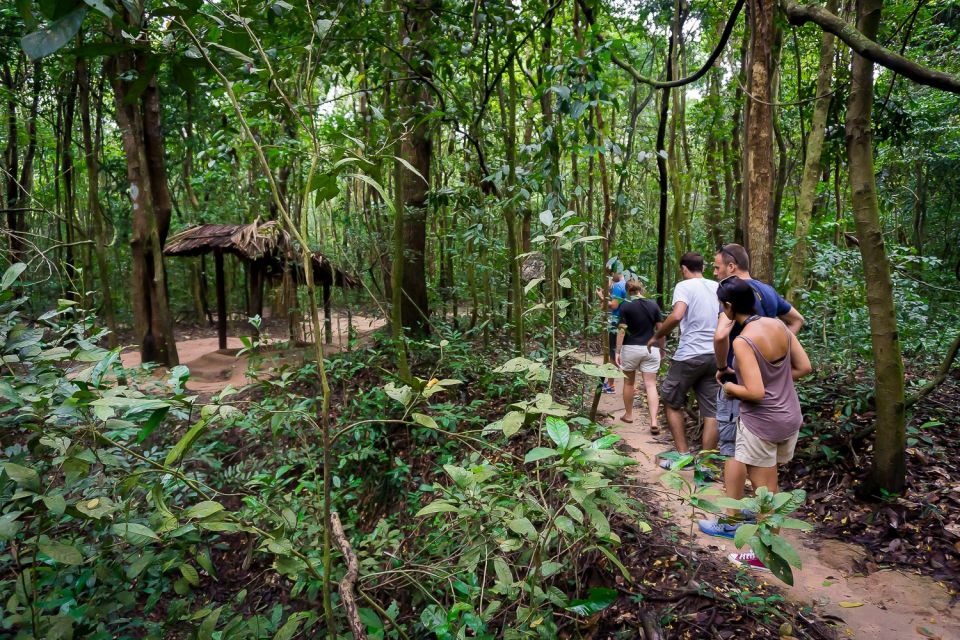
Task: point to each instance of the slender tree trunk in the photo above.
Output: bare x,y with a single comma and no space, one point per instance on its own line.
513,239
888,471
663,181
811,166
19,193
91,153
737,135
758,163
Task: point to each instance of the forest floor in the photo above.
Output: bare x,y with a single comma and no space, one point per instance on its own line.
887,603
213,369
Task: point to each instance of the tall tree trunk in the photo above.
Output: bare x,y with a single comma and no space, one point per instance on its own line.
19,192
513,233
663,180
889,459
69,189
91,154
736,138
811,166
139,122
416,148
758,164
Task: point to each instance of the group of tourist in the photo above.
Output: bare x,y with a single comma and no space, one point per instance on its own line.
737,352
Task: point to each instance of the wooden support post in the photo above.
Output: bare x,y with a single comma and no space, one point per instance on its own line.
327,320
221,302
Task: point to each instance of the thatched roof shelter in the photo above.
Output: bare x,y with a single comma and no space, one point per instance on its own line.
265,248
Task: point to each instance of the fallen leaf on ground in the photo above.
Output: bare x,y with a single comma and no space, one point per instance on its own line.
846,604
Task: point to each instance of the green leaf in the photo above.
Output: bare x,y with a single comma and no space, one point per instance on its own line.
437,506
558,431
785,550
729,503
530,285
772,561
598,599
599,370
512,422
290,627
426,421
606,441
523,526
793,523
55,504
185,442
743,534
242,57
514,365
11,274
209,624
23,476
152,423
134,533
565,524
547,569
202,510
403,394
50,38
190,574
502,569
460,476
62,553
574,512
539,453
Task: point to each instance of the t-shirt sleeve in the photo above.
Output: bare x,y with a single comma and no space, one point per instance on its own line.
783,307
680,295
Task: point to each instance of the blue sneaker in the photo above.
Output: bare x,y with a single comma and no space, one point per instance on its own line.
608,389
718,529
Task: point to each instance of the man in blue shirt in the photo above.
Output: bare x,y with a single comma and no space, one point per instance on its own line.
733,260
618,293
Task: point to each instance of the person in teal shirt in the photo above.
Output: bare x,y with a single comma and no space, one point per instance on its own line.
618,293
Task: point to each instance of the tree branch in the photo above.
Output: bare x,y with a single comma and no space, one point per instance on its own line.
800,14
666,84
941,376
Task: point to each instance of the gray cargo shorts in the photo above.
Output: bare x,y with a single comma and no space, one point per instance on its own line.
698,373
728,413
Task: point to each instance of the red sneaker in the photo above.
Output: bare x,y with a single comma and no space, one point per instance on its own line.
748,560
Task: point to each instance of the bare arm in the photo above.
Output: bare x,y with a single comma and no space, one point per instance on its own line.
752,389
799,361
793,320
672,321
721,341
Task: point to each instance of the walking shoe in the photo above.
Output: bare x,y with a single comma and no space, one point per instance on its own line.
608,388
718,529
665,464
748,560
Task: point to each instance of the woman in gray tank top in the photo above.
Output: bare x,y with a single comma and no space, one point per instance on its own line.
767,360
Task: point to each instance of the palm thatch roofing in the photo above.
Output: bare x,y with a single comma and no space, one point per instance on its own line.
266,243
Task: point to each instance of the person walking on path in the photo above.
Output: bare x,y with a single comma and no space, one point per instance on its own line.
692,365
639,319
617,288
768,358
732,260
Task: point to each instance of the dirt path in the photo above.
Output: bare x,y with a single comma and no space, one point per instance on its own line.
213,369
895,605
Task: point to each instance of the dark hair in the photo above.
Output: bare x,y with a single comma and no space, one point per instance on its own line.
739,294
735,254
692,261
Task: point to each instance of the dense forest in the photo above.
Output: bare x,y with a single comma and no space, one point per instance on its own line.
305,308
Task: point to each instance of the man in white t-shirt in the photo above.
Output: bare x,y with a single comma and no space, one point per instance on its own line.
693,364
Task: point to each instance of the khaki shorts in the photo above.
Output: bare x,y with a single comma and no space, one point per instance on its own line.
637,358
757,452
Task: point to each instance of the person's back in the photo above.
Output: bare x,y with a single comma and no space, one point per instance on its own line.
777,416
640,316
699,321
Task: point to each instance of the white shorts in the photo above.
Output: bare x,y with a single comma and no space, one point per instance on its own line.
757,452
638,358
